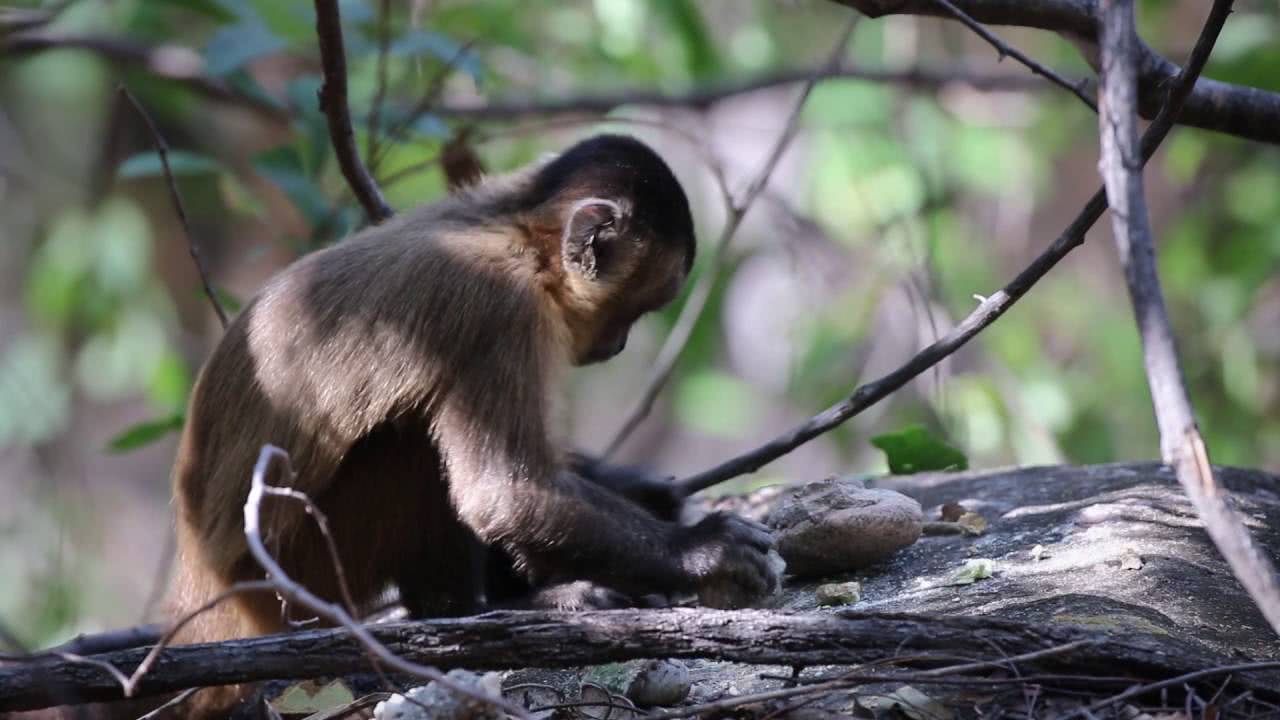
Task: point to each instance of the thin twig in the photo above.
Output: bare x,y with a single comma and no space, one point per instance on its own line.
130,684
160,580
1181,444
171,703
296,593
1141,690
333,103
852,679
425,103
923,78
676,341
988,310
162,149
1005,49
322,523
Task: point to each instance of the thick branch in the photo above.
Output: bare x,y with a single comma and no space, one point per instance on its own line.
1243,111
537,639
1181,444
333,102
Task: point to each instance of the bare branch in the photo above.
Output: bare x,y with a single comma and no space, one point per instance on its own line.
296,593
333,103
130,684
1181,445
988,310
1234,109
500,640
850,679
1172,682
921,78
697,301
162,149
1004,48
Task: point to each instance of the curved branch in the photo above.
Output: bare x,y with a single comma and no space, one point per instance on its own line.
333,103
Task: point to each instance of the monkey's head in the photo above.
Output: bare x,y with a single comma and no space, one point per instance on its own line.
625,238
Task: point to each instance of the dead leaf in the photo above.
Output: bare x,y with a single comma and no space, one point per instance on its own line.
910,702
973,521
345,711
309,697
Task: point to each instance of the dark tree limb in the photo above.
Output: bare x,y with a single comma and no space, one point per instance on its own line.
538,639
991,308
333,103
1181,445
920,78
1233,109
162,149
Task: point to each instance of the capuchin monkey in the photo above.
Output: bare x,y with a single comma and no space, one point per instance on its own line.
409,372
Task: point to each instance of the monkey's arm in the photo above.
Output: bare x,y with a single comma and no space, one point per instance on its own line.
656,493
508,486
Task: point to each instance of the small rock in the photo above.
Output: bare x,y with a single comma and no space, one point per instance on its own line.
660,682
845,593
836,525
1130,560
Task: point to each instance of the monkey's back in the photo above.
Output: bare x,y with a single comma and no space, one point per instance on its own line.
346,350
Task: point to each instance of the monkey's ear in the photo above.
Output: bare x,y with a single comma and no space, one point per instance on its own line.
590,227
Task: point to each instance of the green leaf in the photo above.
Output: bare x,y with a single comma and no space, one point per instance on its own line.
914,449
145,433
181,162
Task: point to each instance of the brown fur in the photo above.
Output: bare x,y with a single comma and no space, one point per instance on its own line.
408,370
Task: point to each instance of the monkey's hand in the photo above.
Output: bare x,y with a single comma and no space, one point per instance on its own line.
728,559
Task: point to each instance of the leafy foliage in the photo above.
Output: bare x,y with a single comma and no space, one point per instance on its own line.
915,449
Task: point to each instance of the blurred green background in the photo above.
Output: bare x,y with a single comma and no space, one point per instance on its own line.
896,204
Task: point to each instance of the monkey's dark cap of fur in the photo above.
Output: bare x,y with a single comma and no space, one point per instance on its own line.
622,166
